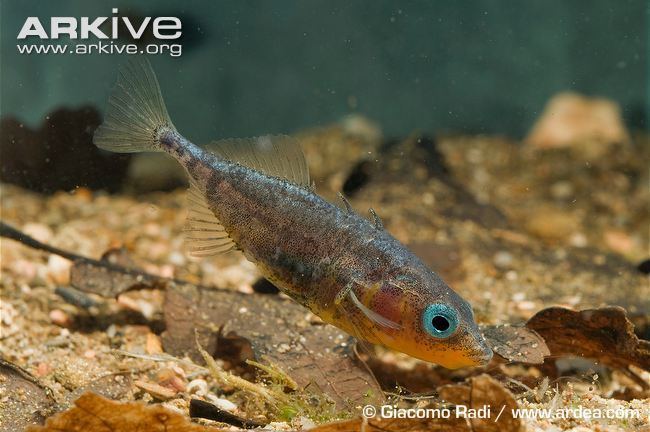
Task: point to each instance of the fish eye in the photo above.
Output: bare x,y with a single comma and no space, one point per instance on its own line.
440,320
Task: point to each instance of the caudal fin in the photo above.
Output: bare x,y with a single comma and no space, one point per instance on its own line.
136,113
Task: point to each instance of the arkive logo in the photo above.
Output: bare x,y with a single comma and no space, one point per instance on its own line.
163,28
101,35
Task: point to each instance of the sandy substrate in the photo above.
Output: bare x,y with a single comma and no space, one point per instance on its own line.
513,230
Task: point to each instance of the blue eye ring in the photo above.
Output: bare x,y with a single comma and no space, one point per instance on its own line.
440,320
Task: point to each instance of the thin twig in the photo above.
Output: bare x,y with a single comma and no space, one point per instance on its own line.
10,232
161,358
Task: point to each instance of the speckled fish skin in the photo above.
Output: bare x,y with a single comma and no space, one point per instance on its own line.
350,272
311,249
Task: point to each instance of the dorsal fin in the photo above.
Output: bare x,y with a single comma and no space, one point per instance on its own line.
274,155
204,233
376,220
346,203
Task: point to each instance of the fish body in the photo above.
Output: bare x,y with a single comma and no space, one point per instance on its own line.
254,195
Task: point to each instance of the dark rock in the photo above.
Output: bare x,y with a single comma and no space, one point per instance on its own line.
644,266
59,155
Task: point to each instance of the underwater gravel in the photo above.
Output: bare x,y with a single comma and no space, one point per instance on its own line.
507,273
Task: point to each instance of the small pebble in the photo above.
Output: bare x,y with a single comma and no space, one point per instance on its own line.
198,387
60,318
138,305
168,378
83,194
59,341
551,224
155,390
306,423
575,120
562,190
153,344
526,305
573,300
578,239
111,331
176,258
42,369
518,297
147,309
224,404
179,371
363,127
619,241
7,313
25,268
58,269
40,232
502,259
166,271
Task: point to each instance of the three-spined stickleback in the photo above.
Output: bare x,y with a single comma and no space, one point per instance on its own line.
255,195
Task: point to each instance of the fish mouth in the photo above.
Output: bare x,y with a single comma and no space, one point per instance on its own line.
483,355
476,357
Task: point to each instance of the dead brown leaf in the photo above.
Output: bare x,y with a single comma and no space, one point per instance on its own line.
267,328
478,392
95,413
604,334
516,343
156,390
27,402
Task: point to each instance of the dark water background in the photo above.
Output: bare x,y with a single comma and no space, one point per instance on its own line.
252,67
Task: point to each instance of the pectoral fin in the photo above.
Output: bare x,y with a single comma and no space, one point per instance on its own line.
372,315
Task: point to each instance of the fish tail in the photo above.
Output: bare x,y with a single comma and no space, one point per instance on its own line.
136,117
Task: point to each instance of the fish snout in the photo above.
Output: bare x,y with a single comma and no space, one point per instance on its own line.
482,353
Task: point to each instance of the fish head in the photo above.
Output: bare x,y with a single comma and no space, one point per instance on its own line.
435,323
